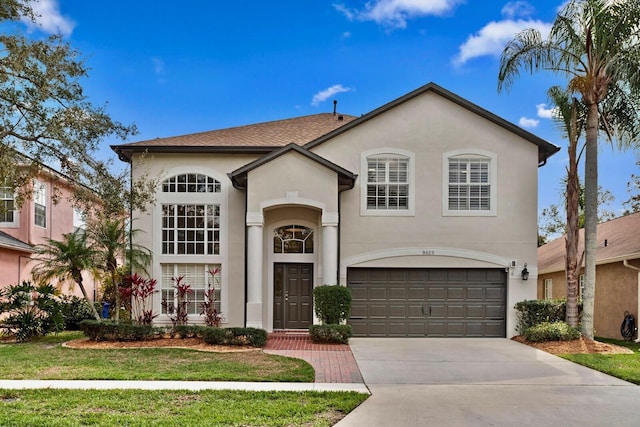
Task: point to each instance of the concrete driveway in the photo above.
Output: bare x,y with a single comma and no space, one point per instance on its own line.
483,382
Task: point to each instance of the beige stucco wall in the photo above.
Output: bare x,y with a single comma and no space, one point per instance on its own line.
429,126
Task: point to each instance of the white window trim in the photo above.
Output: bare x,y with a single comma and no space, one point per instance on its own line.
40,198
548,289
16,216
411,210
221,198
493,181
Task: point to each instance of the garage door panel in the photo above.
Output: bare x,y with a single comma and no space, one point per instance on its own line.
428,302
456,292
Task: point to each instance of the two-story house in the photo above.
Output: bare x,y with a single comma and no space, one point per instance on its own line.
425,208
47,214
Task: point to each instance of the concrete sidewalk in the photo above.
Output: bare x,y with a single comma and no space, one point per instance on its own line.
178,385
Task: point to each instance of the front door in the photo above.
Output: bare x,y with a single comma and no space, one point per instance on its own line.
292,296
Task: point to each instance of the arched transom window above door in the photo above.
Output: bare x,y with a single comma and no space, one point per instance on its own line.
293,239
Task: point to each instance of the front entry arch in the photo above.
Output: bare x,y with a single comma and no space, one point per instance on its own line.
292,295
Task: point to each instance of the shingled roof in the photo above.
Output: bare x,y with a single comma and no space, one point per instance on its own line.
9,242
618,239
259,136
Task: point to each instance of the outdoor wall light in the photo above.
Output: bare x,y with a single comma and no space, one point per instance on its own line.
525,272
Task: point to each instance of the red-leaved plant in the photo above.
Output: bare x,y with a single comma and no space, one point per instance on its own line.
178,312
140,291
212,317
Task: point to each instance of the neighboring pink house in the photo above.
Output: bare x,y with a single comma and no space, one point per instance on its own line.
46,215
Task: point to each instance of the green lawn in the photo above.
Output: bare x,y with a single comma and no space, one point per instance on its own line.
173,408
47,359
623,366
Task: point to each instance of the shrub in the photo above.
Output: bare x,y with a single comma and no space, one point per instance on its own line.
31,311
111,331
141,292
332,303
235,336
534,312
330,333
551,331
74,311
178,312
189,331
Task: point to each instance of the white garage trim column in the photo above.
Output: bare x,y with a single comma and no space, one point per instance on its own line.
255,224
330,248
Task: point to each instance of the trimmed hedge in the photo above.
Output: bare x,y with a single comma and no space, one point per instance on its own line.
235,336
534,312
189,331
332,303
339,334
111,331
551,331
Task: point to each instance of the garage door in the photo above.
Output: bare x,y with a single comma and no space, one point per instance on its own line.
427,302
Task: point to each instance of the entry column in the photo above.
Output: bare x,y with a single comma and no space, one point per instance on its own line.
255,222
330,248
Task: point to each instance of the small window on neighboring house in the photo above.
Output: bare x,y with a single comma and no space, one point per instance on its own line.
79,220
469,184
548,289
7,206
40,203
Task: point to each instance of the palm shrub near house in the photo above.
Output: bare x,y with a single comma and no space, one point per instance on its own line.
332,305
31,311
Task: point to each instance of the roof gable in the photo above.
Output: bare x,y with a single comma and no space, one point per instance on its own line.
346,179
545,149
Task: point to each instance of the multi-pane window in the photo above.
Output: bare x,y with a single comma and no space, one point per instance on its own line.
191,183
548,289
192,229
7,205
200,277
293,239
387,182
40,204
469,184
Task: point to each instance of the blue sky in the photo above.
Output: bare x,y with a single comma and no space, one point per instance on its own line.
176,68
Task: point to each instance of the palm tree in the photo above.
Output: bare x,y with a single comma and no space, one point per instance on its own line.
571,117
596,45
112,242
66,260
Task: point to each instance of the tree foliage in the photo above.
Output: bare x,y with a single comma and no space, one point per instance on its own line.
595,44
46,119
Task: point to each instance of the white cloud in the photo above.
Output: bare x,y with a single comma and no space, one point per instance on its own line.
346,35
158,65
494,36
328,93
49,19
518,8
546,113
528,123
395,13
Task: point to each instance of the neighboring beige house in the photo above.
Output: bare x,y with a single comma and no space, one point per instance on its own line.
48,214
617,273
425,208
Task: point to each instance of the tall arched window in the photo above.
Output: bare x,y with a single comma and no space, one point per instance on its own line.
191,183
293,239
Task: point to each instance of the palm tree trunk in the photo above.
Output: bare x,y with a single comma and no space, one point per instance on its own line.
590,219
571,242
77,277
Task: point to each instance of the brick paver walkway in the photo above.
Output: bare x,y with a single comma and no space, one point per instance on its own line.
333,363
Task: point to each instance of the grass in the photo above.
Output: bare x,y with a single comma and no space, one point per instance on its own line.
174,408
623,366
46,358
